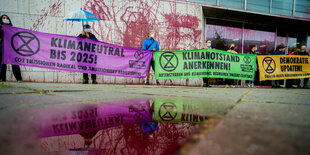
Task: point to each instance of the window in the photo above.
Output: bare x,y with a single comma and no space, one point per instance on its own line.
282,7
211,2
262,6
263,39
224,33
302,8
236,4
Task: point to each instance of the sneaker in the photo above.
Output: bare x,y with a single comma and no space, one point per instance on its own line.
85,81
227,86
95,82
232,86
20,81
147,83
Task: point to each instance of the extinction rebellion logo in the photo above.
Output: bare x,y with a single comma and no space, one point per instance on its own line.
168,61
139,55
25,43
247,59
269,65
167,111
137,63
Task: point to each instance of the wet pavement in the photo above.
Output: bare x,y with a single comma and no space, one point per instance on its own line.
54,118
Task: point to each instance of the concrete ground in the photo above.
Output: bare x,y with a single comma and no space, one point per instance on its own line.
250,120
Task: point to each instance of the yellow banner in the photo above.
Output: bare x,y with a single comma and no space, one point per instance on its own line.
278,67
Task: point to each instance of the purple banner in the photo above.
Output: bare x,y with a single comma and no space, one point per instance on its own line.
60,52
79,118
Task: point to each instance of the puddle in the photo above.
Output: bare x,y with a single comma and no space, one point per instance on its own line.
138,126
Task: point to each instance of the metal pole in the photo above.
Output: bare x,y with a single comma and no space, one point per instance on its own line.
294,3
275,39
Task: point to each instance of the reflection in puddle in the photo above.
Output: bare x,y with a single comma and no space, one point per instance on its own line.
158,126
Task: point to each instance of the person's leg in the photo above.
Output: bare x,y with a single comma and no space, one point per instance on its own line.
275,83
229,82
153,66
232,83
278,83
3,72
305,82
289,83
17,73
85,78
205,82
93,78
252,84
0,62
148,74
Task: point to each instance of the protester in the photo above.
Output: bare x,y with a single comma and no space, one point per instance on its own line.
205,80
279,51
303,51
87,34
291,82
253,50
294,51
207,44
5,20
231,49
151,44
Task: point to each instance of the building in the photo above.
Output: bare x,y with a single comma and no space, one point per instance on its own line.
178,25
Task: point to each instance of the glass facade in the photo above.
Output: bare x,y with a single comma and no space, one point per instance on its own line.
290,8
302,8
222,33
211,2
258,6
263,39
282,7
235,4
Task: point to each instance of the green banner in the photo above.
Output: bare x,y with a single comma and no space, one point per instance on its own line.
184,111
204,63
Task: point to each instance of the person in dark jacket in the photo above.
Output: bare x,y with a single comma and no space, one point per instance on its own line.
87,34
253,49
279,51
291,82
303,51
5,20
231,82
